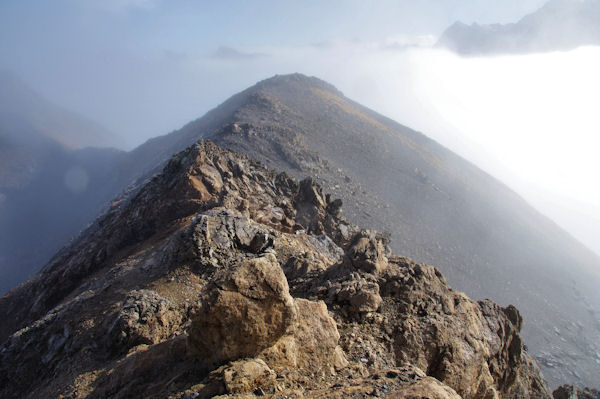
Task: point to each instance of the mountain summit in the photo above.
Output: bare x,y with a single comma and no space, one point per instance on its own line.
436,207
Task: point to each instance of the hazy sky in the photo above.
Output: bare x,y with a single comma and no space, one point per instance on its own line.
146,67
143,67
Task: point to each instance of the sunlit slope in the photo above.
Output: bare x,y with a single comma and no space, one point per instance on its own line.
438,208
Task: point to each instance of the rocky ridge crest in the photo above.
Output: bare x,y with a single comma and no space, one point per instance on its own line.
220,277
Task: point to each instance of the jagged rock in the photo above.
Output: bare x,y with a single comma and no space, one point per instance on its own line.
324,252
299,266
145,318
429,388
514,316
246,310
573,392
224,231
335,207
204,279
369,251
310,204
472,347
310,192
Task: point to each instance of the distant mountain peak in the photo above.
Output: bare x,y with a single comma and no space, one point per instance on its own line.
557,25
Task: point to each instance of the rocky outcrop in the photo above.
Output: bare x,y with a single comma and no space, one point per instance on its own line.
471,346
437,207
426,388
246,310
222,278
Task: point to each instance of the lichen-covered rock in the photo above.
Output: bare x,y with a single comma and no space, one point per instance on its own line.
246,310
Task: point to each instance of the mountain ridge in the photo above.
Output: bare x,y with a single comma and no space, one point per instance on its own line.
162,297
439,208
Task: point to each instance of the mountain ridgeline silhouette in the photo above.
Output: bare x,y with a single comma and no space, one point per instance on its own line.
557,26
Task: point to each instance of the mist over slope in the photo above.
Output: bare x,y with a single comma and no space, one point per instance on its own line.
49,186
73,131
558,25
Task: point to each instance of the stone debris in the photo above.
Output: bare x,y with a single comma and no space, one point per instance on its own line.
219,277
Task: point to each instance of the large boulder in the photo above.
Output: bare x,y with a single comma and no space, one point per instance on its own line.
312,346
317,336
429,388
246,310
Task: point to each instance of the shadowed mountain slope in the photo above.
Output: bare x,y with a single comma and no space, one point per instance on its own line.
50,187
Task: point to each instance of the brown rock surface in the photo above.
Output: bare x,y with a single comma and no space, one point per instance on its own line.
368,251
200,256
246,310
429,388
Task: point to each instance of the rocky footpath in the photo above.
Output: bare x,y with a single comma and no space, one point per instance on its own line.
222,278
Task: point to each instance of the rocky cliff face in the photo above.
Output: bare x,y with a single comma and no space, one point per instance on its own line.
220,277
